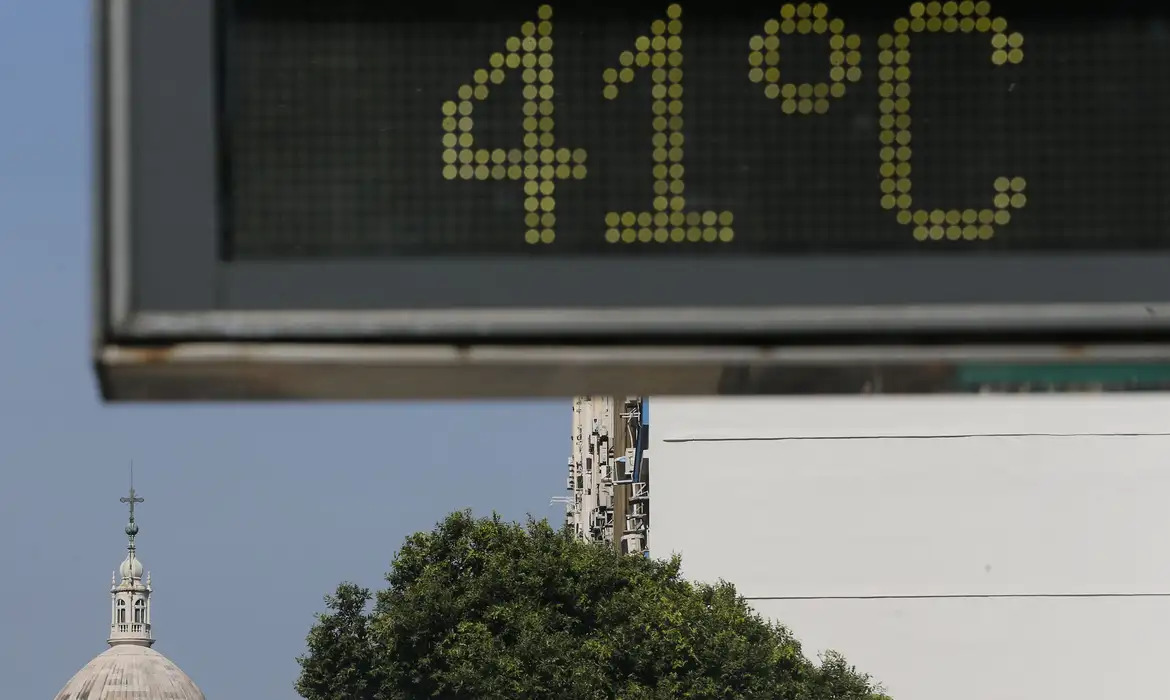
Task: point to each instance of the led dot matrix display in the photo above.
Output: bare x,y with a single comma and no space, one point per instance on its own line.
355,128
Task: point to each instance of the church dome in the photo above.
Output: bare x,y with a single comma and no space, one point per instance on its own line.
130,671
130,568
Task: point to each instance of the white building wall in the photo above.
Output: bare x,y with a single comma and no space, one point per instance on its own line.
966,548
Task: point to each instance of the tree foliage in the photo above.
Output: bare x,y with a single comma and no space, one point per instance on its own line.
483,609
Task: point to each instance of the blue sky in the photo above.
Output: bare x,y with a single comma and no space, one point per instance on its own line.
252,513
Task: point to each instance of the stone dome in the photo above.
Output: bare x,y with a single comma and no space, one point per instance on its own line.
130,568
130,671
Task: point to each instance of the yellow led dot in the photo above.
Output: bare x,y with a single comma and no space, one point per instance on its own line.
954,233
888,186
938,232
967,24
983,24
1015,40
515,172
803,9
772,91
1019,200
450,172
544,12
710,235
804,26
1015,56
986,232
532,237
950,24
674,11
982,7
918,24
966,7
788,106
1003,217
820,26
921,217
626,75
837,90
970,233
645,235
612,235
629,235
921,233
902,24
998,24
609,92
726,235
998,41
772,75
756,75
889,201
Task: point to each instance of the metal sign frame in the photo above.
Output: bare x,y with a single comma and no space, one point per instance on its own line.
173,321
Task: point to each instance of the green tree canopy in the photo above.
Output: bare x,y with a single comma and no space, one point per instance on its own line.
484,609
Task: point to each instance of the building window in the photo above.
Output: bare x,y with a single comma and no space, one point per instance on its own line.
121,611
140,611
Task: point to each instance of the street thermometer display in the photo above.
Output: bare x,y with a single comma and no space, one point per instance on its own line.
739,127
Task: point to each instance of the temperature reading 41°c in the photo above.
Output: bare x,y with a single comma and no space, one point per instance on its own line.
695,127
